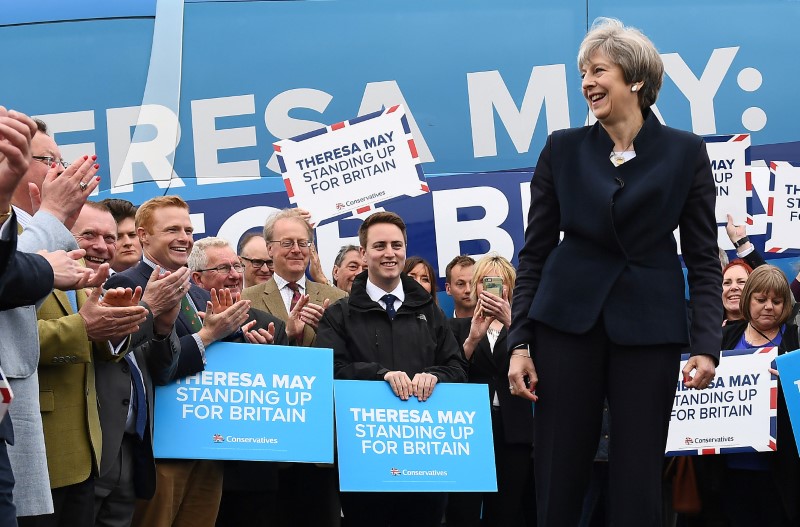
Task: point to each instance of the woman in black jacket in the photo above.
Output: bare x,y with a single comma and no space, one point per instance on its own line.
484,343
762,488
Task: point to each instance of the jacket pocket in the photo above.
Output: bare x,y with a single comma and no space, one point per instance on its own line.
47,401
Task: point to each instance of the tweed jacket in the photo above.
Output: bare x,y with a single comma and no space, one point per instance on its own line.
267,297
67,392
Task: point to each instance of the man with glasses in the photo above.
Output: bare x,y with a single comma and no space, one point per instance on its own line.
249,488
258,265
307,494
288,295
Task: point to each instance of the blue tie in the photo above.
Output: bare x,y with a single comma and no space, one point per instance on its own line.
139,401
389,301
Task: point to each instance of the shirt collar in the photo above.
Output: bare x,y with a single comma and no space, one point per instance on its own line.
281,282
23,218
376,293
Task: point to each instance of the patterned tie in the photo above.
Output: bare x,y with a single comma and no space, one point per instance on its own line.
139,400
295,294
191,315
389,300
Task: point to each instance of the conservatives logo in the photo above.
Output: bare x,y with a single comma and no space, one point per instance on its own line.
688,440
339,206
218,438
395,471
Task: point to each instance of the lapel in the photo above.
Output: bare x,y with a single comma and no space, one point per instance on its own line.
274,301
63,300
499,357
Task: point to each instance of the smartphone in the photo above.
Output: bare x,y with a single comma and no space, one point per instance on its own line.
493,285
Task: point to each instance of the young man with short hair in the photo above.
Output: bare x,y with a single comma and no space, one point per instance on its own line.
390,329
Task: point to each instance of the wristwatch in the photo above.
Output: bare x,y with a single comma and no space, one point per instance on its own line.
741,241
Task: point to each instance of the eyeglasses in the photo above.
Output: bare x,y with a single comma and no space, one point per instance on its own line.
257,263
288,244
49,160
225,268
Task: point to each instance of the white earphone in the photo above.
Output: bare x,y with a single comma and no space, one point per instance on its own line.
635,87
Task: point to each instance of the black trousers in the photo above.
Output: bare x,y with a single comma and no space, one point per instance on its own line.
393,509
8,513
576,373
513,502
73,504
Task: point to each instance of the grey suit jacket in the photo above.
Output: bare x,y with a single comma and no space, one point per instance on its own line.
19,354
157,360
266,297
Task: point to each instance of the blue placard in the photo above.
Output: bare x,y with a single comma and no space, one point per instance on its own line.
386,444
789,368
252,402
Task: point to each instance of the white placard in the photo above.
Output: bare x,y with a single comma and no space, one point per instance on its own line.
737,413
349,166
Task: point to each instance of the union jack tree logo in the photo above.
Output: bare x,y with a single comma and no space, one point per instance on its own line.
218,438
395,471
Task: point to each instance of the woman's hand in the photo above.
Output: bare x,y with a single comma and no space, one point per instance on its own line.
477,330
496,307
704,370
521,367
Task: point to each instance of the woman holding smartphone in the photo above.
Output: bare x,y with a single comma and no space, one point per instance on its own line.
484,341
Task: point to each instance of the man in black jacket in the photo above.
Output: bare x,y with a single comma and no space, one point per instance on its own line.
389,329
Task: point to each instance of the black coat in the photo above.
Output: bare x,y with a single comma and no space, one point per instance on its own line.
366,343
618,258
784,464
485,367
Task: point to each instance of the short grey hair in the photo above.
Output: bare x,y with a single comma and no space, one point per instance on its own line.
285,214
198,258
631,50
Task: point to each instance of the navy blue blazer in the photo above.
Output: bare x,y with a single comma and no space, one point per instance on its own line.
24,278
618,258
190,360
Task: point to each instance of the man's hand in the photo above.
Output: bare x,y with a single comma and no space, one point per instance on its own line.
64,194
16,131
110,323
422,385
315,267
260,335
222,316
704,370
163,292
122,297
400,383
69,274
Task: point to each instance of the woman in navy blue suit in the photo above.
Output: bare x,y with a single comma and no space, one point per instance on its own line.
602,313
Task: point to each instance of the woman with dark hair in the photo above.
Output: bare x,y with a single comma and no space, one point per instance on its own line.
422,271
761,488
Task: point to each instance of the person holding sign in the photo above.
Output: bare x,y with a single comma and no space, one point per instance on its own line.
752,480
484,339
389,329
602,312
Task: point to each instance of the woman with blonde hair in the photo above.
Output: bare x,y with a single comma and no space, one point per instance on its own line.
484,343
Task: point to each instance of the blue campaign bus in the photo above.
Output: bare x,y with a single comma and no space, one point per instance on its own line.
187,97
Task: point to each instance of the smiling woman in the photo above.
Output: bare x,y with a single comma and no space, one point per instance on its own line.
734,277
616,190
